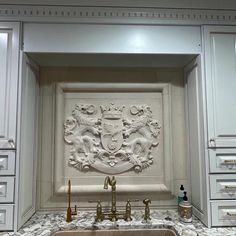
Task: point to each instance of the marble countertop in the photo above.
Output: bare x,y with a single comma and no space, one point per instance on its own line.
46,224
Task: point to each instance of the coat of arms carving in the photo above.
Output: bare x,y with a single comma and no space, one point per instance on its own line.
111,138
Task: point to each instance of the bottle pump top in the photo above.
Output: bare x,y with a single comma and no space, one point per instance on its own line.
185,198
182,187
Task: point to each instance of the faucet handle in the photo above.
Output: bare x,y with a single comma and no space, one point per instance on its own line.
100,216
146,202
127,216
74,213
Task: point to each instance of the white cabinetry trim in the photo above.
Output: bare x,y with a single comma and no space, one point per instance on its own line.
28,142
116,15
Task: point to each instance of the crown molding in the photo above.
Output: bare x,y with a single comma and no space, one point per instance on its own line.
115,15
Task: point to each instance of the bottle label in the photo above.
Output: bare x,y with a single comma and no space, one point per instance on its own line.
185,213
180,199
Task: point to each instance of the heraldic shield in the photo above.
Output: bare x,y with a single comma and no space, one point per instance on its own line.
112,128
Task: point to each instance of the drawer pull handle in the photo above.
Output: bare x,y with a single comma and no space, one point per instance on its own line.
231,214
231,187
2,190
229,162
2,217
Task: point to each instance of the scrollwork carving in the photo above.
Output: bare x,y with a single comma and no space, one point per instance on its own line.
112,138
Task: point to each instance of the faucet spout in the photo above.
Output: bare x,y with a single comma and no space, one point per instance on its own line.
112,183
106,182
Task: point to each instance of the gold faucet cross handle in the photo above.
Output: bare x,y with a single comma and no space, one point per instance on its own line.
100,215
146,202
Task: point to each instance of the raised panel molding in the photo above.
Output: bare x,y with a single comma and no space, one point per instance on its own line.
119,15
9,50
220,83
78,141
28,141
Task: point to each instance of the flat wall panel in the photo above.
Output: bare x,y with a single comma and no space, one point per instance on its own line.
84,38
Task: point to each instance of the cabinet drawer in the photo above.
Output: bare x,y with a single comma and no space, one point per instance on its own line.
223,186
6,189
7,162
223,161
223,213
6,217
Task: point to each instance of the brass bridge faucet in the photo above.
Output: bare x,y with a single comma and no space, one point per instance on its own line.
113,215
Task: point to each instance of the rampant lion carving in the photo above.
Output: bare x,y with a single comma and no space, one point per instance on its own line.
112,139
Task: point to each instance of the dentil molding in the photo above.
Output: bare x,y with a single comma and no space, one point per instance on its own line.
28,13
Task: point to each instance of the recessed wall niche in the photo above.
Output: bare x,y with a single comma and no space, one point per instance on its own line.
127,122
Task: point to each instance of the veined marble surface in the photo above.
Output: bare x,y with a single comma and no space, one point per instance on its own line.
46,224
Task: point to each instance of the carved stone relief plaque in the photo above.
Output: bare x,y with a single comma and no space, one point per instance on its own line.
112,128
111,138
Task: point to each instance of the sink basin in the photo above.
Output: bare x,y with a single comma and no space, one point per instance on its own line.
134,232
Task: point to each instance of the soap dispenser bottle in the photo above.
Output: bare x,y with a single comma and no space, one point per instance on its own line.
185,210
181,194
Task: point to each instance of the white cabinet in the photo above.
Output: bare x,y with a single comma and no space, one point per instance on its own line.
9,50
220,55
7,162
222,160
223,213
220,62
6,217
7,189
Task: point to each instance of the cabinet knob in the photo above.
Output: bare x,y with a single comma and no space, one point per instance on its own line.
12,143
212,142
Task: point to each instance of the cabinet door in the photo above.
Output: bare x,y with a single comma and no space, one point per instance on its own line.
220,55
28,140
9,50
